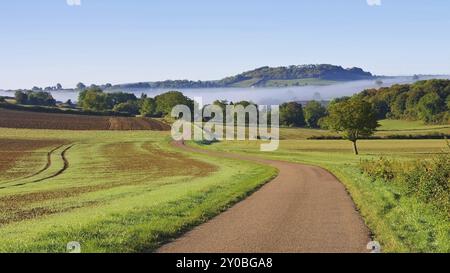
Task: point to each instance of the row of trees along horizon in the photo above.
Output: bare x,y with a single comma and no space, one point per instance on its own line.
355,117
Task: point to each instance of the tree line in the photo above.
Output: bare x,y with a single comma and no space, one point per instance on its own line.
428,101
40,98
95,99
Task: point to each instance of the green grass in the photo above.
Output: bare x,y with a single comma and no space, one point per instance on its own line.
400,223
162,193
388,127
405,125
110,209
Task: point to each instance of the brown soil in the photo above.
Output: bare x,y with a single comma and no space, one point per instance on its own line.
36,120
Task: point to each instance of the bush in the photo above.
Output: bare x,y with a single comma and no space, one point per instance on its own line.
379,169
429,181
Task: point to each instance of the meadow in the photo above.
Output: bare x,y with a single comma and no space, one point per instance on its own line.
400,223
132,191
126,191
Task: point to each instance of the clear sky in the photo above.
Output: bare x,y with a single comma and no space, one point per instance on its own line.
98,41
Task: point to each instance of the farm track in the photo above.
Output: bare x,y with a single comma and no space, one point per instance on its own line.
303,210
47,166
61,171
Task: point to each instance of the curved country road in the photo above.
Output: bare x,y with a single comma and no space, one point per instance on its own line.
304,209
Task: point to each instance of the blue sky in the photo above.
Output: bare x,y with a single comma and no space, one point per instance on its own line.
48,41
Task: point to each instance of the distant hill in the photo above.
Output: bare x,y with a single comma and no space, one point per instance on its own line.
296,75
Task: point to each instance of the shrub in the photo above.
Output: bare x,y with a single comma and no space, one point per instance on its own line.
429,181
379,169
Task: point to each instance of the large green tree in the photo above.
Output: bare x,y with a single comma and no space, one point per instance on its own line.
430,106
398,106
148,107
94,99
354,119
314,111
291,114
21,97
167,101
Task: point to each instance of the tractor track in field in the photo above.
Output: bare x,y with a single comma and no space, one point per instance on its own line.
47,166
63,169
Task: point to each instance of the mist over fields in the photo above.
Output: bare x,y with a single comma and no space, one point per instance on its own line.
263,96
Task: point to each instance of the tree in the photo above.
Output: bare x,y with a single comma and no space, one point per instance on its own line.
430,106
314,111
291,114
93,99
120,97
41,98
81,86
59,86
448,102
398,107
21,97
148,107
167,101
34,98
354,119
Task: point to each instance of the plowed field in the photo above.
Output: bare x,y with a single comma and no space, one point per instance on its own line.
36,120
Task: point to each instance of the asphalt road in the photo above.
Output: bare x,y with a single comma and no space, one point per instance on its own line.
305,209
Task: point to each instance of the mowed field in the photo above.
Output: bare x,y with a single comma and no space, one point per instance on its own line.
35,120
400,223
112,191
